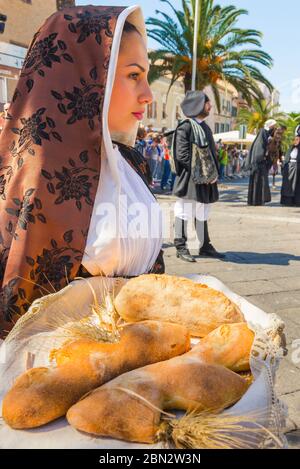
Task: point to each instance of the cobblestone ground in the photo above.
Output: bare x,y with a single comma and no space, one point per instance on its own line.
262,246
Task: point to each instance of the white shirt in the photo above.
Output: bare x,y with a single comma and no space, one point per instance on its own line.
120,241
294,155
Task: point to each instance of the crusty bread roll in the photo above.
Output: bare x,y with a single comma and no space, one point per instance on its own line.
43,394
178,300
228,345
184,382
193,381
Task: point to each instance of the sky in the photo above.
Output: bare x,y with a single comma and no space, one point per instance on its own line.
279,23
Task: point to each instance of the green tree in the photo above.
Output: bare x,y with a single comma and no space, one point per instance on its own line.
223,48
261,110
290,121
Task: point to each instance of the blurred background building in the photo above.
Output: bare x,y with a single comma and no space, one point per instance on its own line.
23,18
20,19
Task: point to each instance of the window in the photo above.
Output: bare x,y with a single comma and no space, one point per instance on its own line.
222,128
234,111
217,128
164,111
152,110
227,127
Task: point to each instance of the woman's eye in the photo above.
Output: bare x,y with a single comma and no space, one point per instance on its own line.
134,76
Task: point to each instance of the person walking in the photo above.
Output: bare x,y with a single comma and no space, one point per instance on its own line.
166,164
223,160
259,164
197,167
153,154
290,190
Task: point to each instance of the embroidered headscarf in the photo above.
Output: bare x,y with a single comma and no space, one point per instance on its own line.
50,152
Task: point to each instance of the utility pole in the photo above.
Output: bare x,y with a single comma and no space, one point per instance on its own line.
196,30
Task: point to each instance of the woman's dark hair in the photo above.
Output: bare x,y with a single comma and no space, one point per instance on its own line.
130,28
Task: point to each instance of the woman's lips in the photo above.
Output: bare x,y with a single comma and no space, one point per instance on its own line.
138,115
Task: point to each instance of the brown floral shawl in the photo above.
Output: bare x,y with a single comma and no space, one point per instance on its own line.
50,157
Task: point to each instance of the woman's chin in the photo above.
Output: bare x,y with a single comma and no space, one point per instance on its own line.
126,136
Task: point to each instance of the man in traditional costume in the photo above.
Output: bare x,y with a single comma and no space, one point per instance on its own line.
194,199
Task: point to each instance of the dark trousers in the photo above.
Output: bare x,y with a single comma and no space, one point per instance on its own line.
166,173
180,233
222,171
172,180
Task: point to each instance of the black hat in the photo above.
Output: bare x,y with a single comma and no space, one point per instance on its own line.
297,131
193,103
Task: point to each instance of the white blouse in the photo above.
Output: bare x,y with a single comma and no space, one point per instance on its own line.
125,233
294,155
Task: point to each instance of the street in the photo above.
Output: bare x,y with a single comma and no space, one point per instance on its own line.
262,246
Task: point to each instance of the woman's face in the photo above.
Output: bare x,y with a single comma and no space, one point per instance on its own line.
131,92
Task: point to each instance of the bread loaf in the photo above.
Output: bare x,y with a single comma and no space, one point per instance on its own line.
185,383
228,345
195,381
178,300
43,394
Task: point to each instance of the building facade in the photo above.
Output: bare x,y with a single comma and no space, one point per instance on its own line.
165,110
24,17
225,119
271,97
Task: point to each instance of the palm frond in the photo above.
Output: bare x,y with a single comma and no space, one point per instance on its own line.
223,48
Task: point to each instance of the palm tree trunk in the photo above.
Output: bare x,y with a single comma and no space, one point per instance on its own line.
187,81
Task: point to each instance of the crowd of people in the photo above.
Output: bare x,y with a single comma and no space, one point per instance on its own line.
156,147
234,162
265,157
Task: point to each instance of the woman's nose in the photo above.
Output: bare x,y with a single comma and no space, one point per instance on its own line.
146,96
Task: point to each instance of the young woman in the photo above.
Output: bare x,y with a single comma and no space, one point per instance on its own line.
71,183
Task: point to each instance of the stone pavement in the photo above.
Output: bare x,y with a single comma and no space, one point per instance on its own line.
262,246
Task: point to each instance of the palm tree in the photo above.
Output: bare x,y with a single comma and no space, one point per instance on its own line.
220,52
290,121
260,112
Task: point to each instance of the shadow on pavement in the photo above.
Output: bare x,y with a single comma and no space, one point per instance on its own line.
269,258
